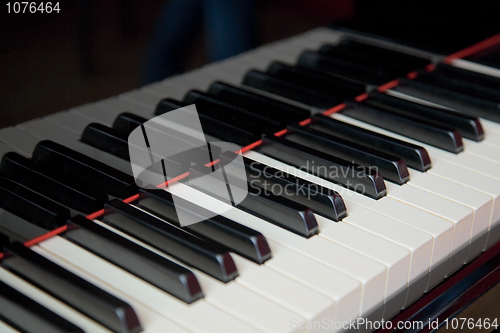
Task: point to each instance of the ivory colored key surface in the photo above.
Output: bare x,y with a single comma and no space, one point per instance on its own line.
6,328
394,257
51,303
480,203
461,216
44,130
140,98
199,316
69,121
438,156
371,274
439,232
19,140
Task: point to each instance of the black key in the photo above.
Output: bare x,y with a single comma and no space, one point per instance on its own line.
207,257
209,106
346,69
470,127
321,200
71,289
31,206
85,169
444,137
349,175
18,229
240,239
447,98
414,156
106,139
126,122
4,239
273,85
213,127
315,80
453,72
261,105
275,209
149,266
26,315
389,166
413,62
376,65
469,88
52,184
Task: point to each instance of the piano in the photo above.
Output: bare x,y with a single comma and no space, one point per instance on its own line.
402,237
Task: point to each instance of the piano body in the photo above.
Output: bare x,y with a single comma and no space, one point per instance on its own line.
416,241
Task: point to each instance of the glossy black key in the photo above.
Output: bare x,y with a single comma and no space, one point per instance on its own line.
147,265
207,257
52,184
453,72
469,88
470,127
389,166
278,210
315,80
31,206
240,239
274,85
321,200
261,105
414,156
207,105
447,98
106,139
377,65
444,137
213,127
26,315
85,169
18,229
127,122
413,62
344,173
71,289
346,69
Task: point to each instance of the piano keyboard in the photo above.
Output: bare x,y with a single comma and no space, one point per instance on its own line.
363,244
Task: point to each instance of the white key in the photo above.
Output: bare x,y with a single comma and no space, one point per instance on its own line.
69,121
43,130
437,156
167,89
490,126
459,215
231,297
371,274
142,99
198,316
491,137
6,328
51,303
483,150
480,203
95,114
394,257
4,149
284,291
114,104
20,141
439,229
344,290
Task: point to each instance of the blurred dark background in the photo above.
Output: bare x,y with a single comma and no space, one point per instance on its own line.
96,49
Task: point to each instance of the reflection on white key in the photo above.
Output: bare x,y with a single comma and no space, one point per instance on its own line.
371,274
152,305
54,305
